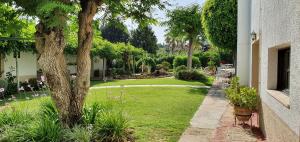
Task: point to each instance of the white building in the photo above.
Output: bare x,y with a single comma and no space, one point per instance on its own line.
28,66
268,59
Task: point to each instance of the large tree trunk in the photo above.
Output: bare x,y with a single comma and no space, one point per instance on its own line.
50,45
190,55
85,38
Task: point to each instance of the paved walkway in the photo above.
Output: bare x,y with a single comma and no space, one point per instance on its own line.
214,122
207,118
135,86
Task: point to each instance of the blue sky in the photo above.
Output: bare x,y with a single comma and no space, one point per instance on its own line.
160,15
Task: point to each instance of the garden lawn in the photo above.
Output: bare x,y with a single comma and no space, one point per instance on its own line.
154,81
156,114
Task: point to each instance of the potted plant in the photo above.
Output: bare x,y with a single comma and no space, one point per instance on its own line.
244,99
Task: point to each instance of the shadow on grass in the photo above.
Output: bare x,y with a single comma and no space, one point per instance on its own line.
97,82
199,91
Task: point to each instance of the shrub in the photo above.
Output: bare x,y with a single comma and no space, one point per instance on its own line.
244,97
182,60
16,126
20,133
179,68
3,84
77,134
90,113
190,75
48,128
13,118
111,127
169,59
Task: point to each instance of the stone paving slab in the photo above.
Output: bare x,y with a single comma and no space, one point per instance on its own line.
207,117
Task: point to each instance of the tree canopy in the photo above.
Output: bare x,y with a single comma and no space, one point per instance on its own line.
50,40
115,31
219,20
184,23
144,37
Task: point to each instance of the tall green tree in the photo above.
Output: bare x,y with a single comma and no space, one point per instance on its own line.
219,20
185,23
50,42
144,37
115,31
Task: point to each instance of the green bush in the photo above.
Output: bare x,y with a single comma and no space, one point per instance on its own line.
13,118
190,75
169,59
164,65
77,134
90,112
182,60
3,84
111,127
244,97
48,128
180,68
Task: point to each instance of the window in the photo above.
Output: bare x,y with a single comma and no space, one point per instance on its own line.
283,70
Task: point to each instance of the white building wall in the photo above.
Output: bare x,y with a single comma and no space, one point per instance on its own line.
279,25
27,65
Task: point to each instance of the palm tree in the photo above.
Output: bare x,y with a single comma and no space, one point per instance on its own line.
185,23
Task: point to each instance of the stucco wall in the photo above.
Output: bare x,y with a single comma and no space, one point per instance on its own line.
97,64
279,25
27,65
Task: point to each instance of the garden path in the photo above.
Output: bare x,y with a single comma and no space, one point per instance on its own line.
207,118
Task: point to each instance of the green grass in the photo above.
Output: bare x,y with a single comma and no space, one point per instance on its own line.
156,114
154,81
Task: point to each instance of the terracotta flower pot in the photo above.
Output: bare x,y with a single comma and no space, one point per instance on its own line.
242,114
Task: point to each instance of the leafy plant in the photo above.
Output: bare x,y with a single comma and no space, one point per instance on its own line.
190,75
111,127
244,97
77,134
182,60
90,113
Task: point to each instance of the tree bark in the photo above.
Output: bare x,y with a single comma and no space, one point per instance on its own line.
85,38
50,44
190,55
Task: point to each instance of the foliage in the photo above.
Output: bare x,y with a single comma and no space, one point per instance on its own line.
219,20
144,37
111,127
185,22
48,126
182,60
12,87
190,75
13,118
180,68
209,58
90,112
164,65
168,58
146,60
115,31
77,134
3,84
244,97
